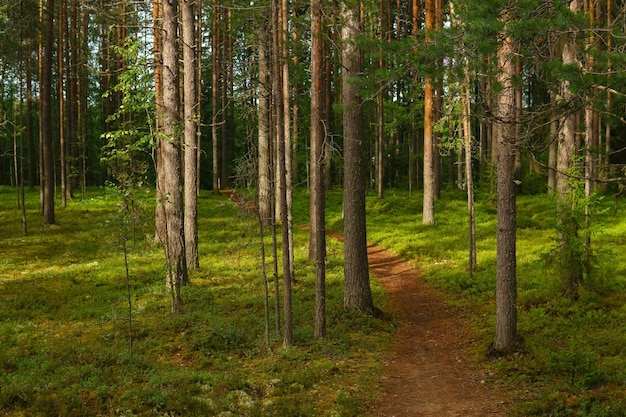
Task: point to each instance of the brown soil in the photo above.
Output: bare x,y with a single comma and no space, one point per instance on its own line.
432,370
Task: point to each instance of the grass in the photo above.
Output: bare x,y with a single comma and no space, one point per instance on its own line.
64,345
571,359
64,329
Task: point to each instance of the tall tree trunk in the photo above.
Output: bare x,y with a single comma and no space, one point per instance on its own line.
428,210
277,89
61,94
357,292
82,93
381,97
317,242
317,118
264,153
571,268
284,29
506,280
215,93
225,62
30,131
159,214
171,147
191,129
414,154
47,148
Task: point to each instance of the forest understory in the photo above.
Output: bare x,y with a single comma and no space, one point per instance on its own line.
66,341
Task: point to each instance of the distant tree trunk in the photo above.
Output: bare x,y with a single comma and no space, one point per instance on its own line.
381,97
264,153
30,131
428,210
284,29
171,146
357,292
47,148
469,180
317,245
73,100
328,94
191,130
82,93
571,267
277,88
414,159
226,63
437,112
506,281
317,119
199,36
159,214
61,96
552,149
215,91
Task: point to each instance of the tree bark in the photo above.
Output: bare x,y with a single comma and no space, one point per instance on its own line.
317,120
357,291
506,280
571,269
317,245
277,91
171,146
159,212
191,130
215,90
428,210
61,93
47,148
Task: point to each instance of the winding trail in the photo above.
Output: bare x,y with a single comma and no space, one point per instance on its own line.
431,371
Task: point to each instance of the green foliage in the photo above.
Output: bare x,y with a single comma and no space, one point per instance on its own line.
571,358
127,151
63,333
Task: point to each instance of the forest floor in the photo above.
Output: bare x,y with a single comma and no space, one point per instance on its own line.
433,369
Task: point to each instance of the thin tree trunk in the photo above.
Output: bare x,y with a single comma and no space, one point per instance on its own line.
381,97
30,134
199,35
571,269
215,77
287,134
159,214
47,147
191,138
553,148
264,155
61,94
428,210
277,89
317,121
469,181
318,238
82,93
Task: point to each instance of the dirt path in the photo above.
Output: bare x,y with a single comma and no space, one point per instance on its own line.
430,371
